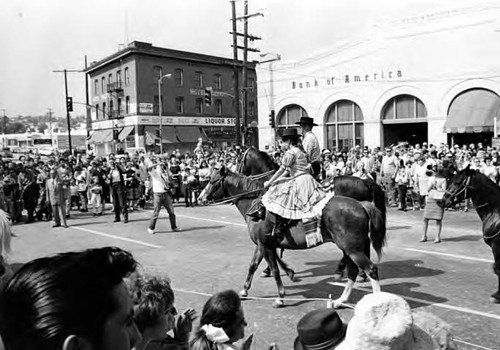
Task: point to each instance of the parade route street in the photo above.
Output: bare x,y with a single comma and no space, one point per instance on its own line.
453,279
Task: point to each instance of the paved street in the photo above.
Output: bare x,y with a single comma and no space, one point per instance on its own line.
453,279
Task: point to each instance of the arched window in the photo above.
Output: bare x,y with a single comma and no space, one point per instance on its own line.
127,77
179,77
103,85
218,81
97,111
157,72
344,125
127,104
404,107
119,107
289,115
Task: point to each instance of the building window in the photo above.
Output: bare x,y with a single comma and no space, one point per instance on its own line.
199,106
156,105
96,87
344,125
97,111
110,78
251,109
111,109
198,79
103,85
119,107
404,107
157,72
179,77
127,104
289,115
218,107
127,77
251,84
119,76
179,104
218,82
104,112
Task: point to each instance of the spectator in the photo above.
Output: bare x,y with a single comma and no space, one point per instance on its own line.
388,170
433,211
117,182
96,196
75,300
320,330
222,323
56,198
402,181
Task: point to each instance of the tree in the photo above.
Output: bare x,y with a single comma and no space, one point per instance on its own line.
42,127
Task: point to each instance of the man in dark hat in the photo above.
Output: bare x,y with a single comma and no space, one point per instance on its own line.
311,145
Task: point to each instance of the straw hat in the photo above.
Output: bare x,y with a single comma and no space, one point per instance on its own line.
383,321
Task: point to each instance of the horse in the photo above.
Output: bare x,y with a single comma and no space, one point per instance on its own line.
485,195
5,247
347,222
260,166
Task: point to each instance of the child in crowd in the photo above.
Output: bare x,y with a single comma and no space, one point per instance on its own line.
75,197
96,196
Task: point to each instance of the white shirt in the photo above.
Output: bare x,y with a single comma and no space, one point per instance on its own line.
311,147
159,179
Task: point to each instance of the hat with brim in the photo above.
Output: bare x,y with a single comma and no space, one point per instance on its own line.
290,133
306,121
319,330
384,321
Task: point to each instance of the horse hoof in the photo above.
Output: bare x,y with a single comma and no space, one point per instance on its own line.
278,303
495,298
338,277
337,303
243,293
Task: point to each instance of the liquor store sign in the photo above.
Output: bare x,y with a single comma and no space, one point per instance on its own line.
198,121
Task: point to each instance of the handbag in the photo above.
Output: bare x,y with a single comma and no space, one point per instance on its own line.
436,195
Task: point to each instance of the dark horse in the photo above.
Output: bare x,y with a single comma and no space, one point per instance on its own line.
485,195
345,221
257,163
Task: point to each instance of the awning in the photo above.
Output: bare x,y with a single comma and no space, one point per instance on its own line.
168,134
125,132
150,138
190,134
101,136
473,111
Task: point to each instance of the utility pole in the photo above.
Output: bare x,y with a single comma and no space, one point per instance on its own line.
68,117
50,126
4,117
236,75
245,48
88,119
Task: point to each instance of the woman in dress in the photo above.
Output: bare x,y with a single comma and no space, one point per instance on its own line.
132,182
433,211
293,193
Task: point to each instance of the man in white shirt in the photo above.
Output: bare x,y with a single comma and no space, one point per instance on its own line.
388,170
311,145
162,196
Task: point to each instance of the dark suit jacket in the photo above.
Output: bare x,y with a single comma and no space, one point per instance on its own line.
55,191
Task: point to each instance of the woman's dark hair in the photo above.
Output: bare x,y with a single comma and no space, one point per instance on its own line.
51,298
222,311
295,141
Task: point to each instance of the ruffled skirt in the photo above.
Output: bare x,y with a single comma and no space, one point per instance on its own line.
300,198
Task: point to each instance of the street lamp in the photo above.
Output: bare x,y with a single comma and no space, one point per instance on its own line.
277,57
160,108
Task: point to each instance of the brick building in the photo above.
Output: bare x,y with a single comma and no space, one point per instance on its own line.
125,99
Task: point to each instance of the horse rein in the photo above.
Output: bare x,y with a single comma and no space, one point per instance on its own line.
465,184
231,198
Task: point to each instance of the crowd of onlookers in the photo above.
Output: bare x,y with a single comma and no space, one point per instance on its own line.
100,299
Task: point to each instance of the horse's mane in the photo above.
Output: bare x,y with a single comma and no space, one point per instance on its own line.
488,189
242,181
264,157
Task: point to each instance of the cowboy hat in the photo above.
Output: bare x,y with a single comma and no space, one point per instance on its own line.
320,330
306,121
290,133
384,321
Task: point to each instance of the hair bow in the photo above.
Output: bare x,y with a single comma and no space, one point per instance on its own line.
215,334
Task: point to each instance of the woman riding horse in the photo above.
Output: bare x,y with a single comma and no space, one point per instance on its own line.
297,196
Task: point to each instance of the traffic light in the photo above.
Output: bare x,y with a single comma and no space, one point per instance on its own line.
272,119
208,96
157,133
69,104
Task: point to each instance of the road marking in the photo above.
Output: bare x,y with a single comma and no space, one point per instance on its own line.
98,233
211,220
461,257
441,305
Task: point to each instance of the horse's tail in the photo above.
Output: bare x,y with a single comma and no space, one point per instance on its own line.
377,227
5,233
378,196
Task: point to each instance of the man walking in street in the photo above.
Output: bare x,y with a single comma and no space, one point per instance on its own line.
55,196
388,171
311,145
161,181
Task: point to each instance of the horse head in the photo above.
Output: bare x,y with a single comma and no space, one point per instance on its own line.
459,187
215,189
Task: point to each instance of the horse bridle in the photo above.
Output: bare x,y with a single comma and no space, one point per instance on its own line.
215,186
464,185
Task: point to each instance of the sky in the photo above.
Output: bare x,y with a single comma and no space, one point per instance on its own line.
40,36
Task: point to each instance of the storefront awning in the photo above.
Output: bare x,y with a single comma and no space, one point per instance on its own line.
190,134
125,132
473,111
101,136
168,134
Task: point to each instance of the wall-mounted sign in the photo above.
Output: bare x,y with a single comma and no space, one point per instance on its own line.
346,79
145,107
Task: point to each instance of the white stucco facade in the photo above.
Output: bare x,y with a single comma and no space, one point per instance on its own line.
432,57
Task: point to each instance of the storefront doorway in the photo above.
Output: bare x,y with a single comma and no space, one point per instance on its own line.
412,133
